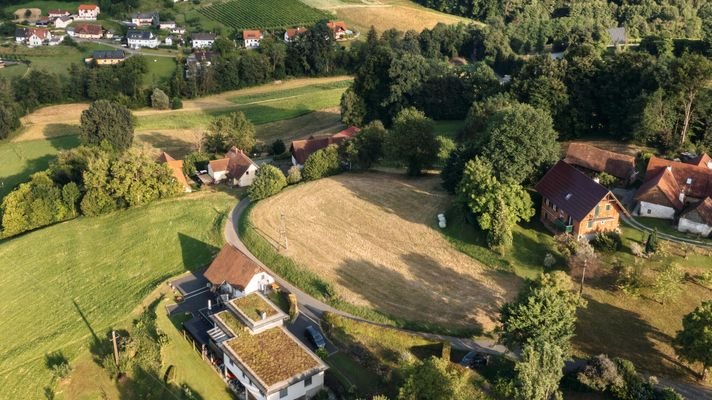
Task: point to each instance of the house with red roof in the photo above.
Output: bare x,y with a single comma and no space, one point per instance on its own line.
574,203
697,218
236,168
176,166
32,37
88,12
302,149
57,13
252,38
88,31
339,29
235,274
292,33
592,158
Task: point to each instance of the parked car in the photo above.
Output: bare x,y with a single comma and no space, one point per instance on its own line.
474,360
315,336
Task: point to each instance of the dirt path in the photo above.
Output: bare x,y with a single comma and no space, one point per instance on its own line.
62,120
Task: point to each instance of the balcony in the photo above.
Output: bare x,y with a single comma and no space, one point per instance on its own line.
560,225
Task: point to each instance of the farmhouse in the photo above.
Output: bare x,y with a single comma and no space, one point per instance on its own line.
292,33
660,196
598,160
241,170
88,12
107,57
339,29
252,38
138,38
697,219
202,40
574,203
267,360
176,166
235,274
88,31
32,37
145,19
217,169
43,22
167,25
63,22
57,13
302,149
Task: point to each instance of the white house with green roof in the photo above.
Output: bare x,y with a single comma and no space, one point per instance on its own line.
270,362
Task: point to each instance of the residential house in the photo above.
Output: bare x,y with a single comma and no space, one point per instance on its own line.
697,219
139,38
107,57
302,149
252,38
178,30
57,13
197,61
703,161
292,33
70,31
43,22
88,31
267,360
88,12
109,34
598,160
574,203
202,40
241,170
167,25
234,274
63,22
168,41
217,169
339,29
660,195
176,166
55,40
617,37
145,19
32,37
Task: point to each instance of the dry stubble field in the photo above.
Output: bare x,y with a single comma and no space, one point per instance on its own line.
373,236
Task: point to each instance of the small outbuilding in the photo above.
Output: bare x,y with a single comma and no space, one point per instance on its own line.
235,274
697,219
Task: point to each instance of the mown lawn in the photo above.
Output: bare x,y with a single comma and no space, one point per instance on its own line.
160,69
45,5
22,159
66,284
55,59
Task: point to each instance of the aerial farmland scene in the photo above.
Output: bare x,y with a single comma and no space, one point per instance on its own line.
355,199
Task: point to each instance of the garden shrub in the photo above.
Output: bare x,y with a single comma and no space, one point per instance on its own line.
176,103
322,163
294,175
269,181
607,241
278,147
159,99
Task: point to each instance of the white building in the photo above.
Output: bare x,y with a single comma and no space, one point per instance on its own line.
268,361
660,196
168,41
137,39
202,40
88,12
252,38
291,33
145,19
32,37
234,274
241,170
63,22
697,219
167,25
217,169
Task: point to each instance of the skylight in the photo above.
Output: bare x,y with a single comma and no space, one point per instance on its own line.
568,196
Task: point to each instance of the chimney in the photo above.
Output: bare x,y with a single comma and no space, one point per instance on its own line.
669,168
263,315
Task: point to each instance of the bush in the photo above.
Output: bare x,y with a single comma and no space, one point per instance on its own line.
106,121
278,147
607,241
322,163
294,175
176,103
269,181
194,162
159,99
600,374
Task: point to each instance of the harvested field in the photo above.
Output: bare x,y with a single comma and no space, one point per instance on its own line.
373,237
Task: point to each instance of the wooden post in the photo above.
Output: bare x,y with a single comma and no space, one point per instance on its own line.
202,352
116,347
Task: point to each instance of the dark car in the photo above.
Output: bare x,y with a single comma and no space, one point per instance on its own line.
315,336
474,359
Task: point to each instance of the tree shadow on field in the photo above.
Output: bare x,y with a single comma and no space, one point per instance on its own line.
176,146
146,384
196,253
58,130
604,328
426,292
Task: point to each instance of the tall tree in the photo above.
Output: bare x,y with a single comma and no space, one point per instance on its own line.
689,74
412,141
539,371
437,379
228,131
694,341
107,121
269,181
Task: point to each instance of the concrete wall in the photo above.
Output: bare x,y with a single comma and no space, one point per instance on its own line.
656,211
686,225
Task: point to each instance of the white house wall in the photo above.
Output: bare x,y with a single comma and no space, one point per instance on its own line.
295,391
686,225
656,211
249,176
216,175
259,281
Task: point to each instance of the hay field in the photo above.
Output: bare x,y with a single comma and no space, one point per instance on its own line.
373,236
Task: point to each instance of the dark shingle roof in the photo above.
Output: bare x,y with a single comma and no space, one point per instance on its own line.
109,55
139,34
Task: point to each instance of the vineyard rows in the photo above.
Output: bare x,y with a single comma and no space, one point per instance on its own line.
264,14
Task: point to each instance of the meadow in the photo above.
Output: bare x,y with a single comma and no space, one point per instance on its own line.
45,5
55,59
66,285
246,14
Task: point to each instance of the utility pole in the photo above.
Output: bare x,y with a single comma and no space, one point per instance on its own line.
116,347
583,276
283,230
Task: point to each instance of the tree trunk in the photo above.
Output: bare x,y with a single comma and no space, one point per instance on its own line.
688,116
703,375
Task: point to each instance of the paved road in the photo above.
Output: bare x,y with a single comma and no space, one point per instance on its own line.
314,309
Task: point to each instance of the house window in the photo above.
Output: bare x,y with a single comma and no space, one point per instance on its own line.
649,211
596,210
608,207
554,207
283,393
546,216
590,224
308,381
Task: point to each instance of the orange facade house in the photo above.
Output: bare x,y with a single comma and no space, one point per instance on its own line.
574,203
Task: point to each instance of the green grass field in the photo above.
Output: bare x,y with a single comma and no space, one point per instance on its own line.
246,14
22,159
56,59
66,284
43,5
160,69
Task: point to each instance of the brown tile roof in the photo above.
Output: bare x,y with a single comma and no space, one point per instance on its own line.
232,266
700,178
39,32
164,157
251,34
704,161
700,212
219,165
88,29
292,32
57,12
88,6
302,149
661,189
599,160
177,167
238,164
337,26
571,190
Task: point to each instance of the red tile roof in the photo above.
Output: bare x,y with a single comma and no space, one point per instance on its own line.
87,7
88,29
571,190
699,178
703,161
700,212
39,32
661,189
232,266
251,34
239,163
599,160
164,157
337,26
219,165
57,12
302,149
292,32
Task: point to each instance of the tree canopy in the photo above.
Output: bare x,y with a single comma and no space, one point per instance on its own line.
412,141
437,379
106,121
694,341
268,182
232,130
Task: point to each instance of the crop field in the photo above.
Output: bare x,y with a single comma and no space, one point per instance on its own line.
373,237
266,14
66,285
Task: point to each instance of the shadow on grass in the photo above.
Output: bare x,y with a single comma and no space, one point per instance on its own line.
196,253
59,130
176,146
